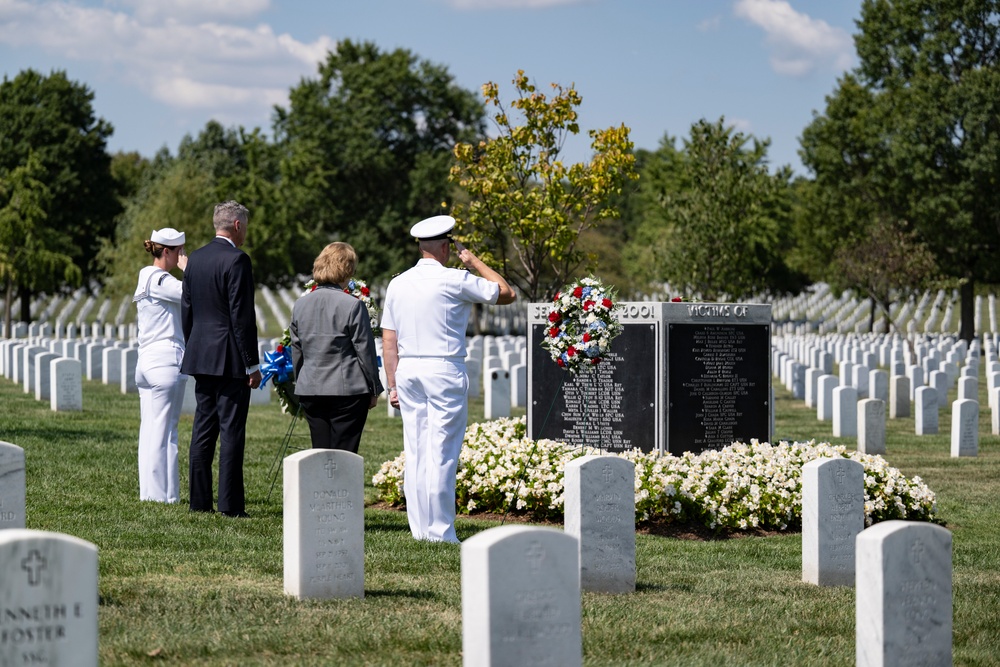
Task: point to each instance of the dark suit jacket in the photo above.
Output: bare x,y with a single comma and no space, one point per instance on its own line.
217,312
333,350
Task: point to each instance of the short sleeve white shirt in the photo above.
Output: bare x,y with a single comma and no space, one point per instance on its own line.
159,308
429,305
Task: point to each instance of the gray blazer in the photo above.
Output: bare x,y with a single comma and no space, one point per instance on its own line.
333,350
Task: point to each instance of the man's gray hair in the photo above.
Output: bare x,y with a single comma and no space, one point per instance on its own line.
228,212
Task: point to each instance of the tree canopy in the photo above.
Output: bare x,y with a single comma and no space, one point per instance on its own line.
365,150
525,209
913,134
714,221
52,118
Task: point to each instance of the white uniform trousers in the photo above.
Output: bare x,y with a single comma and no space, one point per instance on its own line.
432,399
161,395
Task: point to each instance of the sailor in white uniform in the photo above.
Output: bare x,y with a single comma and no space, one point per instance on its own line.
157,372
424,321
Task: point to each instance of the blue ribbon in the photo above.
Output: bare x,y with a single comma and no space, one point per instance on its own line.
277,365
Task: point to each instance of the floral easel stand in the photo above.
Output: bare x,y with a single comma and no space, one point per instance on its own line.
277,368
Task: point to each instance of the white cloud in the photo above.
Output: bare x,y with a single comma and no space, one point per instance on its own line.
739,124
189,11
710,24
169,53
799,43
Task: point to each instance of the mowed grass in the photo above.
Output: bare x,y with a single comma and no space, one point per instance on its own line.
195,589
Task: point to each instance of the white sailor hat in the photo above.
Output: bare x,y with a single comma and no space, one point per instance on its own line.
167,236
434,228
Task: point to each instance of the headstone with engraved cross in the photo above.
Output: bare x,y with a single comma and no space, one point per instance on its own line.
833,513
600,512
324,524
903,595
48,589
521,598
12,486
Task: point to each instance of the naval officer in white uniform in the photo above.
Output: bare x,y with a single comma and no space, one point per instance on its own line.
424,320
158,369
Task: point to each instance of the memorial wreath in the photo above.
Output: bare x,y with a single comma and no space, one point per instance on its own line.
581,324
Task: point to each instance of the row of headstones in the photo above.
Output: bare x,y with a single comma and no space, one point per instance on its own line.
520,585
498,371
901,570
837,399
91,330
54,369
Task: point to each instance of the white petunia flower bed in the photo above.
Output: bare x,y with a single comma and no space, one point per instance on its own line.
741,487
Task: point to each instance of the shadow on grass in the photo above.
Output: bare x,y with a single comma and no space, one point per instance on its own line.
415,595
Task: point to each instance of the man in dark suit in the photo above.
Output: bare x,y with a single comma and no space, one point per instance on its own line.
220,336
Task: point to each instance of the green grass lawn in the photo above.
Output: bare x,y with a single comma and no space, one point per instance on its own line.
195,589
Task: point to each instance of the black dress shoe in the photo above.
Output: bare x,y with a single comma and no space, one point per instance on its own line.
236,515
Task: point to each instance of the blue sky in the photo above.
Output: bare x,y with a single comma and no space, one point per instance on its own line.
161,69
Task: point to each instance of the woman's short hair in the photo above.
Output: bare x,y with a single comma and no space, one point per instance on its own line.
335,264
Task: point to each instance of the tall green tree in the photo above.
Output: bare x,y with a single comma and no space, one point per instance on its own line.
925,102
27,242
885,264
52,118
716,222
525,208
366,149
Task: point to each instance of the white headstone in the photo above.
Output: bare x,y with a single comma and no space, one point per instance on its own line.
43,376
878,385
860,380
812,384
324,524
833,513
968,387
521,598
938,381
599,504
496,403
12,486
903,595
965,427
845,412
53,577
111,366
899,397
824,397
871,426
926,412
67,385
129,359
519,385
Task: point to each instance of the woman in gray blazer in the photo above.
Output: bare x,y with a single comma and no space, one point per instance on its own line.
333,352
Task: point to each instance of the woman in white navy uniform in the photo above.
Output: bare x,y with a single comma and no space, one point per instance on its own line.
426,313
158,369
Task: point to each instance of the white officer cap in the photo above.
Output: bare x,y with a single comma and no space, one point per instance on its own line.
167,236
434,228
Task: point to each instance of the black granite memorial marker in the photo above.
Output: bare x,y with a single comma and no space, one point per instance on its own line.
681,377
718,375
613,406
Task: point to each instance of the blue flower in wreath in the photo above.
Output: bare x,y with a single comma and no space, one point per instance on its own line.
587,291
597,325
593,351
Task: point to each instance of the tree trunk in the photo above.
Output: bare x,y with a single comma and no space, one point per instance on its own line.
8,305
967,331
25,294
871,315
